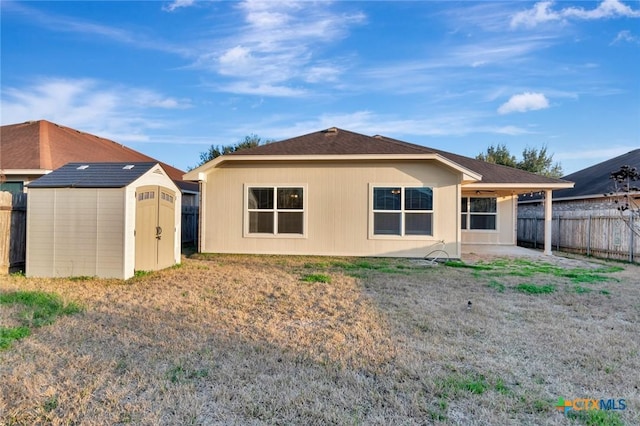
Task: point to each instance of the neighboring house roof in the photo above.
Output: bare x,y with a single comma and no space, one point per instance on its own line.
92,175
41,146
337,142
594,181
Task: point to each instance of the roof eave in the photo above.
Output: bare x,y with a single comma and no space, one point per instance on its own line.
578,197
199,174
25,172
519,187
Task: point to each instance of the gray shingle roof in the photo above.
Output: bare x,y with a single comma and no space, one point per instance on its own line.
594,180
335,142
92,175
343,142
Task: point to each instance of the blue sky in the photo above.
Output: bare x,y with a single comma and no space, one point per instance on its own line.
171,78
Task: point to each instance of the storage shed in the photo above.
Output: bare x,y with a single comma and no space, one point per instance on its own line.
102,219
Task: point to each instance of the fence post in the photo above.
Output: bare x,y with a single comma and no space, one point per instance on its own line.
589,236
631,236
5,230
558,233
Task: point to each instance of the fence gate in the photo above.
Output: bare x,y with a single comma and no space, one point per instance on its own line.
13,231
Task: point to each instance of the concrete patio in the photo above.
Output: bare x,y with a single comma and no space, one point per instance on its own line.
472,251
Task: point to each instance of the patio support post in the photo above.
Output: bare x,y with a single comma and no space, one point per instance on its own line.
548,220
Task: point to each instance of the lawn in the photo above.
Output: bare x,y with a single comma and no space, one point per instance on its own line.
231,339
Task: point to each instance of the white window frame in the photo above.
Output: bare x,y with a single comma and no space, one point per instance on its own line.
275,210
468,214
402,212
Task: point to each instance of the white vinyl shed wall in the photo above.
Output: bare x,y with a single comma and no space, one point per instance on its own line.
75,232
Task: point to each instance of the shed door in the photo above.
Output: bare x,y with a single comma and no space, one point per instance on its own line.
155,228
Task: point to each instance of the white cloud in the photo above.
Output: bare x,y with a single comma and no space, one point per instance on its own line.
540,13
320,73
543,12
275,49
626,36
249,88
114,111
524,102
236,60
509,130
178,4
606,9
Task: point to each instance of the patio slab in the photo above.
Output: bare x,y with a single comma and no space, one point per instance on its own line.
472,253
487,250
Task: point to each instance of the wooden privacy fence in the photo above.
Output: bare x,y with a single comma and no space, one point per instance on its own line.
599,236
190,225
13,231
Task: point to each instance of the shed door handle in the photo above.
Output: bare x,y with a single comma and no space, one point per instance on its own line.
158,232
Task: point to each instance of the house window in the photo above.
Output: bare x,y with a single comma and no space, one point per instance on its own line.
402,211
275,210
479,213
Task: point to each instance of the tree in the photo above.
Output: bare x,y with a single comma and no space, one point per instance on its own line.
534,160
498,155
215,151
539,162
625,196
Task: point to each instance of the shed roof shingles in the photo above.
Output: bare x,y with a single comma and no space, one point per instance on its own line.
93,175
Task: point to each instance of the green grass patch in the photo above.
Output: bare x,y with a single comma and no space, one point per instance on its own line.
461,264
501,387
9,334
582,275
529,268
50,404
316,278
179,374
316,265
139,274
36,309
39,308
596,417
459,384
358,267
497,286
581,290
81,278
535,289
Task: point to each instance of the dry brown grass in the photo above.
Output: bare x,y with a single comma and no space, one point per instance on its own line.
242,340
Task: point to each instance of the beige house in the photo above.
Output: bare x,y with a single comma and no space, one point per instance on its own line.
102,219
335,192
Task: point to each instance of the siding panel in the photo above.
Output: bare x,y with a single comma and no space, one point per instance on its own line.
337,207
